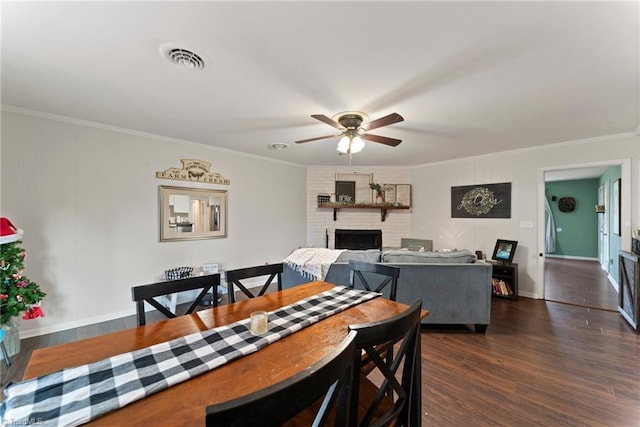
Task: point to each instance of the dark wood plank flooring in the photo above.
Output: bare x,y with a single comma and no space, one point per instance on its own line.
579,282
539,363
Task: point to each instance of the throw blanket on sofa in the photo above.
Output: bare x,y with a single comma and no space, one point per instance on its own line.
313,263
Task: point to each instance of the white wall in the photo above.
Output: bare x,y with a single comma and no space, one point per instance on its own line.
322,180
431,217
87,199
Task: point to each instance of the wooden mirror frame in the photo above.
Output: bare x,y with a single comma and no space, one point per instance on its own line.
211,222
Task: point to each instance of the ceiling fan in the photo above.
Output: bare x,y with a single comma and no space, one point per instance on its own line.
354,127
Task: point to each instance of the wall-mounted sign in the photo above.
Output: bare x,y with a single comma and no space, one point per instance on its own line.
345,191
398,194
481,201
193,171
361,192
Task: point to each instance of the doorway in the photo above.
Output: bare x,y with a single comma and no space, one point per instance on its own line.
569,273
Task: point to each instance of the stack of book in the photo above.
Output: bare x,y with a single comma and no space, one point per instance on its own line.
500,287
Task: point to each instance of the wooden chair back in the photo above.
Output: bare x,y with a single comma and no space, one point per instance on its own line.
329,380
389,277
148,293
398,400
234,278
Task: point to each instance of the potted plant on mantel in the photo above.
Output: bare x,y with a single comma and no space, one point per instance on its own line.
379,191
17,293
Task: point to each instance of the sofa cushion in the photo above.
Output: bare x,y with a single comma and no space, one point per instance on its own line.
366,255
453,257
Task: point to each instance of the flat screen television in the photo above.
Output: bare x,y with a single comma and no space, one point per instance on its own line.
504,251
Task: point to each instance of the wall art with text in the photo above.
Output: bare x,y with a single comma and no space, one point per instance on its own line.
481,201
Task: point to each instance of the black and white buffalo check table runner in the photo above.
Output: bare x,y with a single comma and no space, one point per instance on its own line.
80,394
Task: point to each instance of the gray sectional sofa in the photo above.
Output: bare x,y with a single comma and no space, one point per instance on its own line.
453,287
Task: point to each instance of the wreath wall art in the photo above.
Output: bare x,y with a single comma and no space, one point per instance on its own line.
566,204
481,201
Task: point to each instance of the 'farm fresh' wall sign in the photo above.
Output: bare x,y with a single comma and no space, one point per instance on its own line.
193,171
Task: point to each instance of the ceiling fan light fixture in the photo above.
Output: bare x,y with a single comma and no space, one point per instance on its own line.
343,144
351,119
354,127
357,144
350,144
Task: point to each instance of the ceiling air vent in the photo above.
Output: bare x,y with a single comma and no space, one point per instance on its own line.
184,58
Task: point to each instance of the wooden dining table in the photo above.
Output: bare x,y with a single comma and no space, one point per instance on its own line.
184,404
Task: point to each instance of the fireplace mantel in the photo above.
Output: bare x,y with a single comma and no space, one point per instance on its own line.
383,208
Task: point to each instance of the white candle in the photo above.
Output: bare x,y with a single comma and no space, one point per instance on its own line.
259,322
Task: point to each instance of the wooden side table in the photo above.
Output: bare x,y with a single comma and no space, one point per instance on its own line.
504,280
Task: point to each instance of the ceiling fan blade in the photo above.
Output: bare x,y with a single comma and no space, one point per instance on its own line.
384,121
317,138
381,139
328,121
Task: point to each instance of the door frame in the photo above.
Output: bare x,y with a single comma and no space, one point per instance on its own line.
603,227
625,206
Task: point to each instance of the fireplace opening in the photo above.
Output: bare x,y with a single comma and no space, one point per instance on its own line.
358,239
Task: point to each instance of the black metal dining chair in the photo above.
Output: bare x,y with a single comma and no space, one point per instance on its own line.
387,274
148,293
234,278
398,398
329,380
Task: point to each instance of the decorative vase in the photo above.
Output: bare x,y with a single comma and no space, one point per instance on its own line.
11,338
380,198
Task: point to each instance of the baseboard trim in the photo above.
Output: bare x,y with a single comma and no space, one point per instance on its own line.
28,333
613,282
529,295
579,258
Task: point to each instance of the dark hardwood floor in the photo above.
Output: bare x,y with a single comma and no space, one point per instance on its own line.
540,363
579,282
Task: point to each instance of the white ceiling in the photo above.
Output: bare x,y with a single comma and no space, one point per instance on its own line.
468,77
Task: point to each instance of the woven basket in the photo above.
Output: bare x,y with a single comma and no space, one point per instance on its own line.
178,273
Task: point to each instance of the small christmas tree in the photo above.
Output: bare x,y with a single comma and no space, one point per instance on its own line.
17,292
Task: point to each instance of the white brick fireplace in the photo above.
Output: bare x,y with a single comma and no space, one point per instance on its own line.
320,221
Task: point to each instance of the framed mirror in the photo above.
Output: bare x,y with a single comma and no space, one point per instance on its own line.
192,213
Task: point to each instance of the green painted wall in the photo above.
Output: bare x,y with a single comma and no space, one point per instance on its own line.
611,175
579,235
